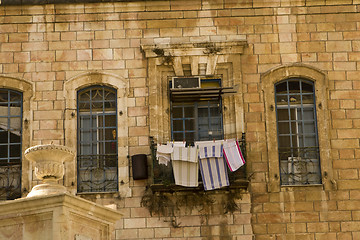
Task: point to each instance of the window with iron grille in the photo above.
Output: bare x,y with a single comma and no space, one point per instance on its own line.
10,144
297,134
197,118
97,140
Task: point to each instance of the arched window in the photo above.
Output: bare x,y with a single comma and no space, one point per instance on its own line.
97,161
10,144
297,134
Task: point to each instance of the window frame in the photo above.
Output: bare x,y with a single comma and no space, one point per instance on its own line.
302,157
268,79
196,105
99,157
11,192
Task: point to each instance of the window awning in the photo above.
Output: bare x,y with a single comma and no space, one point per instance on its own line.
191,94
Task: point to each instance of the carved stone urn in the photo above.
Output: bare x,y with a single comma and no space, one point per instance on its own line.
49,167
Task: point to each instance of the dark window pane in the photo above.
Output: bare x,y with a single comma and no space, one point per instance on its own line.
189,112
15,138
189,137
294,86
4,95
4,151
281,88
3,136
110,120
306,87
178,125
189,124
177,112
178,136
15,150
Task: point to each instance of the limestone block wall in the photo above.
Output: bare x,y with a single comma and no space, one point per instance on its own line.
47,46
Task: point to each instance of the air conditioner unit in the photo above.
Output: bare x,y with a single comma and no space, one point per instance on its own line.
186,82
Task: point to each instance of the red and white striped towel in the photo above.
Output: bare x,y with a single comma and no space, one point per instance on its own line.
233,155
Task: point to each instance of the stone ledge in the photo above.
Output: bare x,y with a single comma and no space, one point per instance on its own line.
57,216
27,205
239,184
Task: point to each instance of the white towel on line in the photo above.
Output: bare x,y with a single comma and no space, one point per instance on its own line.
233,155
189,154
185,166
164,148
163,151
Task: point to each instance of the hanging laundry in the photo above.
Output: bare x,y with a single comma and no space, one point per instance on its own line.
185,166
233,155
163,151
210,148
214,173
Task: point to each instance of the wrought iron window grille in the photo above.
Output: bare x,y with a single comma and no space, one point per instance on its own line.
10,144
97,158
298,147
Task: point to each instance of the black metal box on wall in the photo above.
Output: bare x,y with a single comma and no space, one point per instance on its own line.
139,166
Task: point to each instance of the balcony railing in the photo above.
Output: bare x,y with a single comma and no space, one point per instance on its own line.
10,186
97,173
163,178
300,166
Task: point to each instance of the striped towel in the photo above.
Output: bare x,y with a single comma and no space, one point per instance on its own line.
233,155
214,173
210,148
185,166
189,154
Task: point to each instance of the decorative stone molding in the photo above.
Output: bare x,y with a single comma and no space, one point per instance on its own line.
218,59
49,167
174,53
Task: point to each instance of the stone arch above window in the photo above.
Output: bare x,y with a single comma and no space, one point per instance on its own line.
268,81
26,88
70,93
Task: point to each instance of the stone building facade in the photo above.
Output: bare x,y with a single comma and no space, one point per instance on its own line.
51,54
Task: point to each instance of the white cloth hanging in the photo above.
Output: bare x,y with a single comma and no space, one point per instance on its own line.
163,151
233,155
185,166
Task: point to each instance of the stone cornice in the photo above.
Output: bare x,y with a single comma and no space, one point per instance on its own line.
194,49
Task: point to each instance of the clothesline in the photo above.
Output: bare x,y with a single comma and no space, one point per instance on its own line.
211,157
